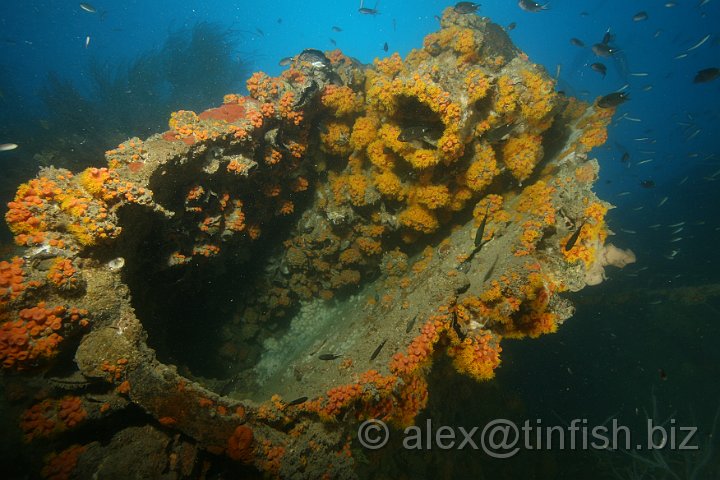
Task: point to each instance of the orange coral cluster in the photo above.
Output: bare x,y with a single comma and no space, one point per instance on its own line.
478,355
342,100
63,275
240,445
60,209
521,154
60,466
12,280
592,235
593,127
36,334
52,416
130,154
420,349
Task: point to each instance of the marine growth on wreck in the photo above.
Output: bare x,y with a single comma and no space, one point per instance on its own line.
344,200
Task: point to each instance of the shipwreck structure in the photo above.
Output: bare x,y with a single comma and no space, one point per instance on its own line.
361,220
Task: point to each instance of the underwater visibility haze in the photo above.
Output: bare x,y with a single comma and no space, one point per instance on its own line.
338,240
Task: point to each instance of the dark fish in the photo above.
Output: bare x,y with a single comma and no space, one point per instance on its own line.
663,375
413,133
491,270
625,157
336,29
262,34
329,356
499,133
608,37
279,20
647,184
530,6
466,7
707,75
481,229
640,16
456,326
284,62
368,11
377,350
297,401
604,50
600,68
333,41
314,56
385,46
88,8
411,324
612,100
511,27
571,243
577,42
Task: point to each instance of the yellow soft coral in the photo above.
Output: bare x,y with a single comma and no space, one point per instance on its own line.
342,100
379,157
363,131
432,196
336,139
507,96
422,158
418,218
522,153
477,84
483,168
477,356
539,97
389,66
536,199
450,145
389,185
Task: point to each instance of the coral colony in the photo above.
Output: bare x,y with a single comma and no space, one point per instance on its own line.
382,175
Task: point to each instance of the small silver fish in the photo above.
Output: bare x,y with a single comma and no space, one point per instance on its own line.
698,44
88,8
640,16
6,147
662,202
